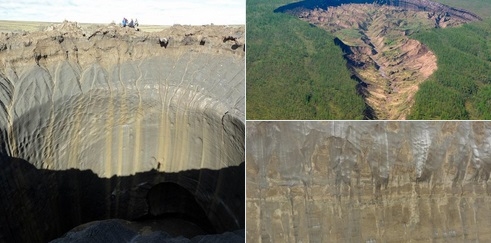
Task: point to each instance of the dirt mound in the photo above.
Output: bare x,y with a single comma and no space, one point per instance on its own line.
69,40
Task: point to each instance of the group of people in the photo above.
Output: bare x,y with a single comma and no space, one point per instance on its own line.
130,24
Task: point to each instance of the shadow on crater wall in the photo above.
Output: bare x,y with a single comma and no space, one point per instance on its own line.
91,120
39,205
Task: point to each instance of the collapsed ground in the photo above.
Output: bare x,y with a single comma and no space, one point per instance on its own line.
375,39
112,123
295,70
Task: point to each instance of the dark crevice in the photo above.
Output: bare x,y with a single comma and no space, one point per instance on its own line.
361,86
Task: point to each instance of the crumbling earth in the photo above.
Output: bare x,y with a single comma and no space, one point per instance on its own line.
387,63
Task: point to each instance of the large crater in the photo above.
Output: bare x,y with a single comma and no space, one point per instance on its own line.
112,123
376,38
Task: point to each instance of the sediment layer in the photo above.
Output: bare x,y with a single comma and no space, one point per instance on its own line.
116,101
368,181
112,123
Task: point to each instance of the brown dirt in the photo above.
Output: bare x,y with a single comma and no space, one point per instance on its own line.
380,52
70,40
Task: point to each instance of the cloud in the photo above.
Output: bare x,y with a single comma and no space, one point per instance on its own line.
148,12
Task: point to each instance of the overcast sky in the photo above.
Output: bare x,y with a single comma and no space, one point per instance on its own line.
157,12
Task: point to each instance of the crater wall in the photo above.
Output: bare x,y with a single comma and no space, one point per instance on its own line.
368,181
116,102
92,119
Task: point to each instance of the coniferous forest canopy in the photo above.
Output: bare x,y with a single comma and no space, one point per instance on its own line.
461,87
295,71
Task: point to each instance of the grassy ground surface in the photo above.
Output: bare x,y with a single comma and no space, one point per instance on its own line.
480,7
19,26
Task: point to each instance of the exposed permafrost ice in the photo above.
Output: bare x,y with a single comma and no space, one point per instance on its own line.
361,181
105,122
117,103
422,142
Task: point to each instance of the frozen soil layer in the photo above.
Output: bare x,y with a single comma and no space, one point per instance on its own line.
112,123
117,101
368,181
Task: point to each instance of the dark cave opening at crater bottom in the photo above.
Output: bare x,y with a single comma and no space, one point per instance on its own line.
39,205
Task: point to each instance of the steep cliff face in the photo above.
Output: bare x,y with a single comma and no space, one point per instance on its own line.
368,181
119,103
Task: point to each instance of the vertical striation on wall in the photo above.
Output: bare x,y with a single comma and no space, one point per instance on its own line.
116,102
105,122
354,181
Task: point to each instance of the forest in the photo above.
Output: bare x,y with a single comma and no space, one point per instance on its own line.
461,86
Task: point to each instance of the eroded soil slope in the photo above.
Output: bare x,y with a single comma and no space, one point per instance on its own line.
376,42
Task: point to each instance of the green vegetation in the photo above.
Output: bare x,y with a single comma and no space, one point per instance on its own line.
19,26
480,7
294,70
461,87
350,37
